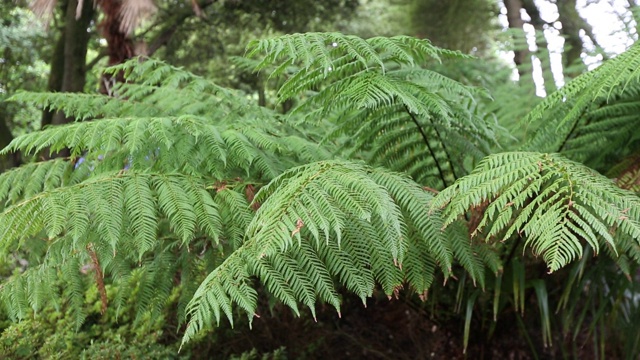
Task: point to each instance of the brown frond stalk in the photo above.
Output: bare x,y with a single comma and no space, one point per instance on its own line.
99,278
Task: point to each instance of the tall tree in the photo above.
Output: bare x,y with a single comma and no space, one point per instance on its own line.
514,17
68,63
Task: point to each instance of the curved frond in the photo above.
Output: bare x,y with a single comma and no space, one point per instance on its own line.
556,204
104,202
328,222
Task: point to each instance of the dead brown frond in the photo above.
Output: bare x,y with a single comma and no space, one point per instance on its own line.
134,12
627,173
43,9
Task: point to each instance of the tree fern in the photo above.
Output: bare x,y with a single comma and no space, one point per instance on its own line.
176,179
333,220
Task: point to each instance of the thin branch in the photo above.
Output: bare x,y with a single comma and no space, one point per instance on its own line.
573,128
426,141
167,33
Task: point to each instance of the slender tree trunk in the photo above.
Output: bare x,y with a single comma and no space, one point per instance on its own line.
76,41
521,56
56,73
571,25
68,66
543,54
631,4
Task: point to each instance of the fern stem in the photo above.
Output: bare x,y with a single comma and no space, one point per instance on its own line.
444,148
426,141
573,128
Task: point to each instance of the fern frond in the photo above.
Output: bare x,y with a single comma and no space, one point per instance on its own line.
110,198
465,252
592,94
27,293
332,221
335,191
381,98
431,152
320,49
195,145
356,68
33,178
556,203
85,106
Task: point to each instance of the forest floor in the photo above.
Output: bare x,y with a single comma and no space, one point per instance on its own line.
385,329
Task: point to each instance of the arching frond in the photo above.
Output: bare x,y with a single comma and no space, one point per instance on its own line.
556,204
326,222
379,96
591,118
31,179
608,80
320,50
116,204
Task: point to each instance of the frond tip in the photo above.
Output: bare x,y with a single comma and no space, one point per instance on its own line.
556,204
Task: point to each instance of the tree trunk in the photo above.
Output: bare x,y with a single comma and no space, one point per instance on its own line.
521,56
68,66
56,73
120,47
76,41
10,160
571,25
543,54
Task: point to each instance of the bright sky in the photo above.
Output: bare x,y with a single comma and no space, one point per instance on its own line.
613,28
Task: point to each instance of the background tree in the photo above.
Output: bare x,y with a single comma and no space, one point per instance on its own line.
468,26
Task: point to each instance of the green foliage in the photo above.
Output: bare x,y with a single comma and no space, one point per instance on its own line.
591,118
554,203
23,44
395,112
176,182
333,220
51,335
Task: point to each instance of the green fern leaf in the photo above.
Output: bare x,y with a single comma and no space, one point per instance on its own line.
556,203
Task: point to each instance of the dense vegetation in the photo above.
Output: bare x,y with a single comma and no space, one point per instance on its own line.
369,183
